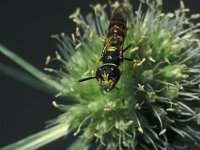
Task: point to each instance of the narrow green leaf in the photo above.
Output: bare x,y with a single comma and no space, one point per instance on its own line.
39,139
30,68
25,78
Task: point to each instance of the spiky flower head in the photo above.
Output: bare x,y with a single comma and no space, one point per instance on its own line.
158,94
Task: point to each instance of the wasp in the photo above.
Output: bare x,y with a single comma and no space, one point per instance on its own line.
108,74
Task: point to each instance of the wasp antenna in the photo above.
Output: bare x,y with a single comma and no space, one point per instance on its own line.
85,79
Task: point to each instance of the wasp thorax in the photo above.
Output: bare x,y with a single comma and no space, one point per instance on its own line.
108,76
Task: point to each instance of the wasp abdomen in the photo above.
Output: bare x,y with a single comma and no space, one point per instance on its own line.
117,27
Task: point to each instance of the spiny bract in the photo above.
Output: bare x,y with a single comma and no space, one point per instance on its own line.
159,92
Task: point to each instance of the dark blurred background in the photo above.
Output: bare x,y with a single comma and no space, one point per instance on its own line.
25,28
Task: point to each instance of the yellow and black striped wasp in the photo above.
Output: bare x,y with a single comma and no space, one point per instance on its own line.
109,73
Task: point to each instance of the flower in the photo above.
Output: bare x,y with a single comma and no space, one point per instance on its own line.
157,95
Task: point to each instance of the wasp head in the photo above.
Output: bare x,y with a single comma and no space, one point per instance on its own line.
108,76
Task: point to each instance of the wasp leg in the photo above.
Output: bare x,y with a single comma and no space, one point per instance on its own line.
132,44
129,59
102,42
97,63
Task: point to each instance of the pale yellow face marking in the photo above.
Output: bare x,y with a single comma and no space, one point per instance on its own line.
105,82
